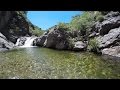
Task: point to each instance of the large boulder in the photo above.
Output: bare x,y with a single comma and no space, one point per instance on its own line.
79,46
109,39
54,38
40,40
112,53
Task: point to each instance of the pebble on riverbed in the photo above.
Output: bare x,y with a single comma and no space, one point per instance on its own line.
14,78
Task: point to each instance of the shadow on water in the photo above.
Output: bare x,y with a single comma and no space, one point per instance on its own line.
48,63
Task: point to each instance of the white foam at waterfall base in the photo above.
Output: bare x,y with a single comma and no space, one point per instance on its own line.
28,42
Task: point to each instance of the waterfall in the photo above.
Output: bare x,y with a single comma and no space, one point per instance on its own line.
27,42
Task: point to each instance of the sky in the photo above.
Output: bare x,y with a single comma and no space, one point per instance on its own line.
47,19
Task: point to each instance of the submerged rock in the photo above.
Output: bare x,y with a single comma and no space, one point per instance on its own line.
14,77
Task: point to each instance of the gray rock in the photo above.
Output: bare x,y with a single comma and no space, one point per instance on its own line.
112,14
111,21
56,38
79,45
109,39
4,44
40,40
112,53
61,45
2,36
92,35
3,49
109,24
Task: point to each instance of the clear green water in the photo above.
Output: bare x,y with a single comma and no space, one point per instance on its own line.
43,63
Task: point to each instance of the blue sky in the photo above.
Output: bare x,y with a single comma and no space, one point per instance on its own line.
47,19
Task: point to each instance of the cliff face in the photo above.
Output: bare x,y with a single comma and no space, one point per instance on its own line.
14,24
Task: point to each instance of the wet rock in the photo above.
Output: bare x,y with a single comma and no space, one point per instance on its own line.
21,41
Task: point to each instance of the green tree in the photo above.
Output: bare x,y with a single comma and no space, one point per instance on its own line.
63,26
85,21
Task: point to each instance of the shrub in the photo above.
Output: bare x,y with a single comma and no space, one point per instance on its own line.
71,43
100,18
93,45
82,22
36,31
63,26
85,21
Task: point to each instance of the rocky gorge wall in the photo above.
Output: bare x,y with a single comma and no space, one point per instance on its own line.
13,24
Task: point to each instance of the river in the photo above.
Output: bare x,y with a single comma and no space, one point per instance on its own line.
43,63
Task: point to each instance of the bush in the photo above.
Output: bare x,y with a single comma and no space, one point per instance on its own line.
85,21
63,26
100,18
93,45
71,43
36,31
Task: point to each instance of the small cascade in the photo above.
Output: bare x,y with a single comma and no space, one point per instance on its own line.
27,43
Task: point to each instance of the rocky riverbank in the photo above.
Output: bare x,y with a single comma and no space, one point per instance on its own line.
102,37
106,33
